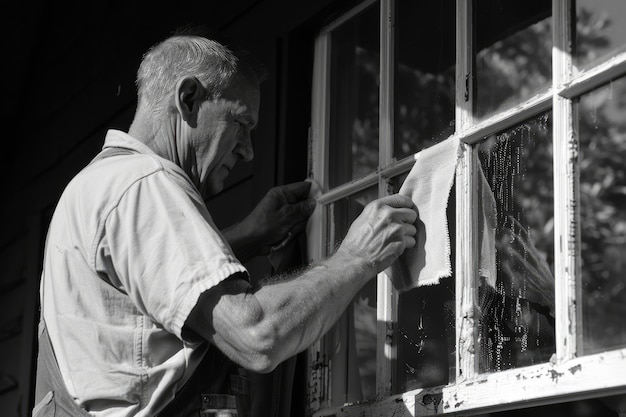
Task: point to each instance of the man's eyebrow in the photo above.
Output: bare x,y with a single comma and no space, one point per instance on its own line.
247,120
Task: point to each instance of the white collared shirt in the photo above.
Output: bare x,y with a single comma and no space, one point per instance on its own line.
130,248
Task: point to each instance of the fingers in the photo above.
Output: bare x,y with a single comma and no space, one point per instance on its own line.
403,208
299,211
410,232
298,228
383,231
306,207
292,218
404,215
294,192
405,218
296,215
397,201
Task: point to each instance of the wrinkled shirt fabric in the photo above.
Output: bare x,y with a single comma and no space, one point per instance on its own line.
130,248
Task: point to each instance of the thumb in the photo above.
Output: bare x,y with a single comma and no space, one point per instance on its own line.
302,210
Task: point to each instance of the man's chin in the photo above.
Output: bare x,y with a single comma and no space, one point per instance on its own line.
214,183
210,190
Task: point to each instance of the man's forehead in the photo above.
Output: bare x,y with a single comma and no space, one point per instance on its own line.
242,88
245,100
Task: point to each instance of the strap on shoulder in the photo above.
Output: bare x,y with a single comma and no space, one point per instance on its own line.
49,379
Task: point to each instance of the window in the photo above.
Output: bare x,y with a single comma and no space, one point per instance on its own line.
536,93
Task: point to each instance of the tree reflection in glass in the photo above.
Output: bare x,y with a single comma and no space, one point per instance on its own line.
600,30
354,96
602,135
423,74
513,53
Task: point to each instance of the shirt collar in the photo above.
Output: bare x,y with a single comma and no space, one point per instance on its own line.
119,139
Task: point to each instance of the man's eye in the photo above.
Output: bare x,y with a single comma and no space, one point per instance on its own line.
246,126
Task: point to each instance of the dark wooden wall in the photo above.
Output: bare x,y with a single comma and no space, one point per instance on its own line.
70,69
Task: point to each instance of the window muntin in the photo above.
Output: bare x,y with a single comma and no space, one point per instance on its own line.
602,136
513,53
568,372
600,30
516,308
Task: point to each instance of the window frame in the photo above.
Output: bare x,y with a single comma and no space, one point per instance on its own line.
566,376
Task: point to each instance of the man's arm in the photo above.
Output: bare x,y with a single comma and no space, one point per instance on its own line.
260,328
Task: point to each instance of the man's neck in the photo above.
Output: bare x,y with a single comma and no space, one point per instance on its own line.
160,138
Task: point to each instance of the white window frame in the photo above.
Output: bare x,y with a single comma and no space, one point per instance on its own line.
567,375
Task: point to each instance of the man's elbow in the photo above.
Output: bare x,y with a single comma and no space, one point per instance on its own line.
264,350
261,364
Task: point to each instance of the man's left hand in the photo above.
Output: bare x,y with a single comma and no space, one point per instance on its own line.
279,217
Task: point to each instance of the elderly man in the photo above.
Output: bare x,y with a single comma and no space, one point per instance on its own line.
145,304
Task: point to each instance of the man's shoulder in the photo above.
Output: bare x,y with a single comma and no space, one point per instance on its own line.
128,168
105,181
117,171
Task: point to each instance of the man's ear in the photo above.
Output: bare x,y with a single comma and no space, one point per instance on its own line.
189,95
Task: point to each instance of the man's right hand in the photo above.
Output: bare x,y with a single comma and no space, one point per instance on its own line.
382,232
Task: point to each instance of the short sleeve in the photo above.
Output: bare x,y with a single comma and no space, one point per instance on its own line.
164,249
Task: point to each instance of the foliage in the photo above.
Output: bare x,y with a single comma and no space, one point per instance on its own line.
602,135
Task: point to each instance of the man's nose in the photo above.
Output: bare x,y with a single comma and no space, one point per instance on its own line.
244,149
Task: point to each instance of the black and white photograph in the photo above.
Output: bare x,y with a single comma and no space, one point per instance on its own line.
329,208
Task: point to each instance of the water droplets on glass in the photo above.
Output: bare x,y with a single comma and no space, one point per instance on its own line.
516,307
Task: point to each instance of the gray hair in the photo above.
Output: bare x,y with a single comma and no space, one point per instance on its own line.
180,56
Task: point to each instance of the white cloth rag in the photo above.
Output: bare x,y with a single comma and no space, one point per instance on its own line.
428,184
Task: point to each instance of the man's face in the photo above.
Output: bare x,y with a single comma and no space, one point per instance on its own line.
223,134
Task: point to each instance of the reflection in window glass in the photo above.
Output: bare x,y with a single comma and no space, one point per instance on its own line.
600,30
513,52
602,133
354,108
425,333
515,194
424,74
351,344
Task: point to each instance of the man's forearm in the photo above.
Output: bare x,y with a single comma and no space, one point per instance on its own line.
303,309
260,328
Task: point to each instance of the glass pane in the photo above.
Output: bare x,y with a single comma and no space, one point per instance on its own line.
351,344
600,30
513,52
516,218
354,80
602,128
425,333
424,74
